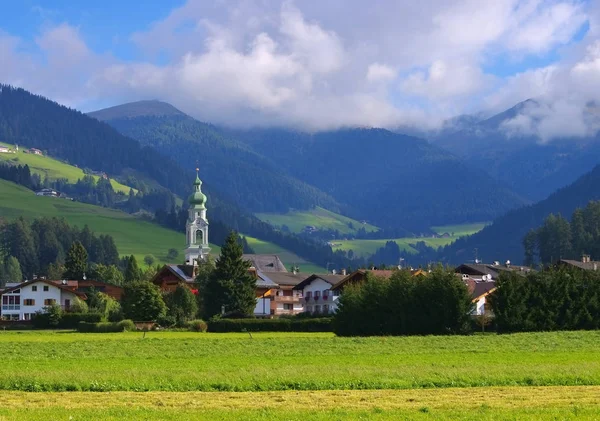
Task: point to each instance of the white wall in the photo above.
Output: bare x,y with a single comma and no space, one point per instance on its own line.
320,285
39,297
263,307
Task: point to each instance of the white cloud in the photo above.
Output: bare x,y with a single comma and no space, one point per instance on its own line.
315,64
380,73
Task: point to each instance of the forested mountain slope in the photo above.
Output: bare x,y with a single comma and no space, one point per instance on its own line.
389,179
530,167
503,239
249,179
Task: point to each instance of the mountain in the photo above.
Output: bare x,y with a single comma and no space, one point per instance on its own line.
244,176
388,179
526,165
502,239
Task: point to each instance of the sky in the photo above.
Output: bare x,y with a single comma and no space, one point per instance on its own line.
314,64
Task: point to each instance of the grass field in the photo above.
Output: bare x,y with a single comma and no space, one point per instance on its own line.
366,248
287,257
52,168
298,376
286,361
495,403
132,235
317,217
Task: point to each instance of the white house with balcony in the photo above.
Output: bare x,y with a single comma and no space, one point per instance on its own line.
22,301
317,296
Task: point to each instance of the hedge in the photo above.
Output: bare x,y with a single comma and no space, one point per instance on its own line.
67,320
106,327
271,325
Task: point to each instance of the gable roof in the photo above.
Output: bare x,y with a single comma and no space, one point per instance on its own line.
283,278
327,277
265,262
477,289
361,274
44,281
590,265
491,269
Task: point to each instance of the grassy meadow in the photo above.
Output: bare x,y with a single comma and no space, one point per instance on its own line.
184,362
317,217
298,376
132,235
366,248
52,168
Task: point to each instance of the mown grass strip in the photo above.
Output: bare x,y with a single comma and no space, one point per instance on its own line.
471,403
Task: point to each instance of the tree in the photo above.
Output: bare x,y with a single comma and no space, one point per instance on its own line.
18,241
76,263
109,274
132,272
529,244
149,259
172,254
204,274
11,271
142,301
181,304
78,306
230,284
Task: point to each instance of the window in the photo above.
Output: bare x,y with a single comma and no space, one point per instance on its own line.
27,316
325,309
336,292
288,306
49,301
28,302
309,309
317,294
307,295
67,304
34,288
46,288
11,302
317,309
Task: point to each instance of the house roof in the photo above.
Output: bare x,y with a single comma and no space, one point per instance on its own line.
361,273
264,280
284,278
327,277
477,289
591,265
265,262
44,281
490,269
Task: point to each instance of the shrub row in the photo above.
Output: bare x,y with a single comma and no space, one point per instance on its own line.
66,321
270,325
106,327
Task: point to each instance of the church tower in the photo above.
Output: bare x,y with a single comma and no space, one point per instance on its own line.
197,226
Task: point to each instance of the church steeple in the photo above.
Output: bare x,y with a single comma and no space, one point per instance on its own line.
197,225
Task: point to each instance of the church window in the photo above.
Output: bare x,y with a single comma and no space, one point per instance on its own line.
199,236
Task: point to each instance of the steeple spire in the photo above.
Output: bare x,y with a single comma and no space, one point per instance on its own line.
197,225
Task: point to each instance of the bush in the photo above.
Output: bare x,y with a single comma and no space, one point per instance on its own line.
71,320
106,327
197,326
270,325
167,321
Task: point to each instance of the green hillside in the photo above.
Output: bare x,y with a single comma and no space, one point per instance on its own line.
287,257
365,248
132,235
51,168
318,217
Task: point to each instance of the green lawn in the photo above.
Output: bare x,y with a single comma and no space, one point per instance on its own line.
317,217
186,361
132,235
52,168
298,376
365,248
287,257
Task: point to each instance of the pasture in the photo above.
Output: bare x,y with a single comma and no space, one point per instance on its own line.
52,168
132,235
318,217
298,376
365,248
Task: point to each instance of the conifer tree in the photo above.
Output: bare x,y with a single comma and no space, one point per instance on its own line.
230,284
132,272
76,263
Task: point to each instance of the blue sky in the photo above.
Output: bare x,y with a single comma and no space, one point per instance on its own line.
302,63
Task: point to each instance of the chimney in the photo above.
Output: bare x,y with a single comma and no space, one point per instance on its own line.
507,263
334,271
344,272
595,266
585,258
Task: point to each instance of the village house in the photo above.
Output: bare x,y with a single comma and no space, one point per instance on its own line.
317,294
5,149
35,151
22,301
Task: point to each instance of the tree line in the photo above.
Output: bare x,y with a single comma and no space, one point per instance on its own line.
559,238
